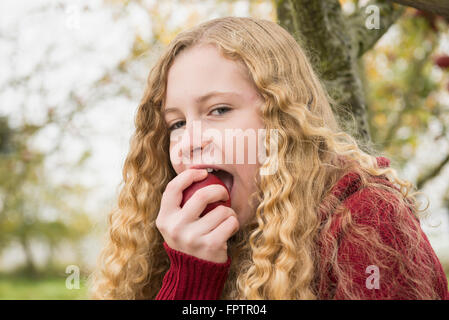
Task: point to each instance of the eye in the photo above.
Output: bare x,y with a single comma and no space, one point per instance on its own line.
224,109
221,110
174,126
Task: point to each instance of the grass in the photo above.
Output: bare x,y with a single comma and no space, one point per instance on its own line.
22,287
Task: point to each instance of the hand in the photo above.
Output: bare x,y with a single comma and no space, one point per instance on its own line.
183,230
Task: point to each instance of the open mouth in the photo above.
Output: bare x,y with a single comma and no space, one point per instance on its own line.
224,176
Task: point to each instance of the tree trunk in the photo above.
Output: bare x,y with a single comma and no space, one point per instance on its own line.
334,43
30,268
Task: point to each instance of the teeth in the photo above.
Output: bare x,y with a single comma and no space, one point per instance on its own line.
210,169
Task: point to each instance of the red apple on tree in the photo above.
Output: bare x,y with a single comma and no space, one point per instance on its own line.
430,18
442,61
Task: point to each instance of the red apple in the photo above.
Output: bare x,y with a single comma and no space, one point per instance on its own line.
211,179
430,18
442,61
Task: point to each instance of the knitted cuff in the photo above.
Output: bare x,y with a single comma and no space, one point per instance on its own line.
192,278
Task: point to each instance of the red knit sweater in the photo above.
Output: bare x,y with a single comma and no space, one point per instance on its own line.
191,278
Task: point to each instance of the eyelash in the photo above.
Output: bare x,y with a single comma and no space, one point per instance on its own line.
171,128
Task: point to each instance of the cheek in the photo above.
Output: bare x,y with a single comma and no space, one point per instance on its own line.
176,140
174,159
246,187
241,150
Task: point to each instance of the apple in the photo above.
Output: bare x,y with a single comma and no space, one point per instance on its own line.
442,61
430,18
210,179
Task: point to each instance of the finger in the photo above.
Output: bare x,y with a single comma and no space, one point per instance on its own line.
214,218
225,230
201,198
172,197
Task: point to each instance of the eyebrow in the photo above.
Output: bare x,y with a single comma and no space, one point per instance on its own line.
203,98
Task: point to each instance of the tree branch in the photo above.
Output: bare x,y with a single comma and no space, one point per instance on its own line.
365,38
433,173
321,30
439,7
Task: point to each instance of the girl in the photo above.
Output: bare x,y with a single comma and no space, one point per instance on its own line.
325,220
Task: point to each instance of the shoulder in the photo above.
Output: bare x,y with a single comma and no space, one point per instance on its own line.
379,205
350,183
374,203
375,227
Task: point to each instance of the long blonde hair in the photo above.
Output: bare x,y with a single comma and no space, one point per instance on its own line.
276,255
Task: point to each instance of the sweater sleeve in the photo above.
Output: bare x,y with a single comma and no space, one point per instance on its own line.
389,280
192,278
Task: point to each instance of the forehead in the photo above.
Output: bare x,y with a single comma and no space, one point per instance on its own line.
201,70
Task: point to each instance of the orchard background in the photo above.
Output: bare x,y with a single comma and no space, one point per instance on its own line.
72,73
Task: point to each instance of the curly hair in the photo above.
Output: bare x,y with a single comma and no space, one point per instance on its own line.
276,255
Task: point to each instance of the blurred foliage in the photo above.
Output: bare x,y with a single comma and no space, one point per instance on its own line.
406,89
401,89
18,286
33,208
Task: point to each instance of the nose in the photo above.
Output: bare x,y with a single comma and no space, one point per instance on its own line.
193,144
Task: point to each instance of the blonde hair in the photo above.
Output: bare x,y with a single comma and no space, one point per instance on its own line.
276,255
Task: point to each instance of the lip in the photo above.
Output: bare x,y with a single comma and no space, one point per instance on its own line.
205,166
